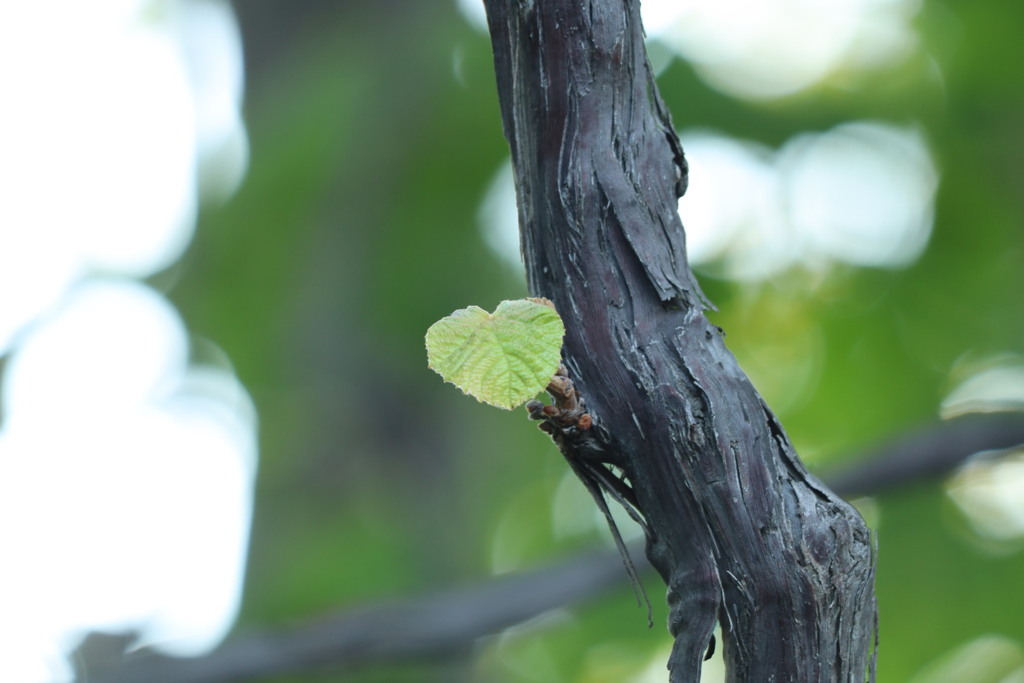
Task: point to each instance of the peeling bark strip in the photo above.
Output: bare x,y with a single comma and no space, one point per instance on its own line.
738,529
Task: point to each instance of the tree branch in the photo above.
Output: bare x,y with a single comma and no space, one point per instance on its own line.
740,532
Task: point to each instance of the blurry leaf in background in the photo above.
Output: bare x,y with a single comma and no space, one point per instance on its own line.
775,49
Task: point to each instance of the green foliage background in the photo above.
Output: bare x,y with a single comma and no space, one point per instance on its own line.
375,131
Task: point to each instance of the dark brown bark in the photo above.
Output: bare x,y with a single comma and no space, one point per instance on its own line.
740,532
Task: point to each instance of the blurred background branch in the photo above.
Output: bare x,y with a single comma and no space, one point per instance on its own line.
433,626
447,623
928,453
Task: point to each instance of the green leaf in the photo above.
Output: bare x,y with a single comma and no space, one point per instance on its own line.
503,358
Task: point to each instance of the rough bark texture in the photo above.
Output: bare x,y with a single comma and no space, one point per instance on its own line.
738,529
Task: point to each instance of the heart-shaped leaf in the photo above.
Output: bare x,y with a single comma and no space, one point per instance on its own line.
503,358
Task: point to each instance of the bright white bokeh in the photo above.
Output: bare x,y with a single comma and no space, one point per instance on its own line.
125,478
211,50
772,49
126,467
986,384
106,108
733,210
989,658
747,169
775,48
498,218
473,11
861,194
989,489
98,126
64,364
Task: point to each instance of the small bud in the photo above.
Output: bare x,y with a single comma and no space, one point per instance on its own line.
536,409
